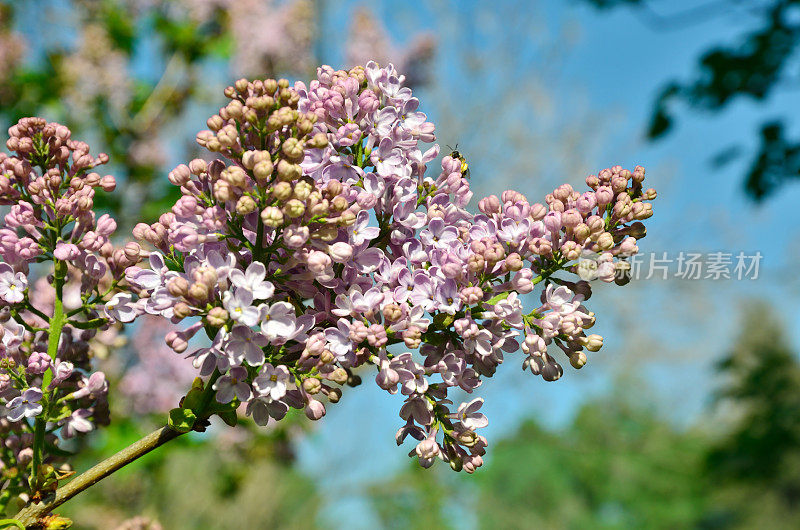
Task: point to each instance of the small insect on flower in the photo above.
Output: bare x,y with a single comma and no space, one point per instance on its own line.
458,156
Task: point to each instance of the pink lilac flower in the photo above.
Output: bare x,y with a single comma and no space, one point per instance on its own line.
77,423
252,279
61,274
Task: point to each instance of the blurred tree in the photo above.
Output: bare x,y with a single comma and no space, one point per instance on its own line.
756,464
617,465
761,62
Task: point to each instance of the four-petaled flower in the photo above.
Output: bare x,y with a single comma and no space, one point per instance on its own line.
233,385
469,416
253,280
121,308
239,305
28,405
12,285
272,381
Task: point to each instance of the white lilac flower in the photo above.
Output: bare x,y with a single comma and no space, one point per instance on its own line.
253,280
278,321
239,305
28,405
469,416
12,285
121,308
272,381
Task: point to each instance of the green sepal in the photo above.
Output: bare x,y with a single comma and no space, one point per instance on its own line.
181,420
443,320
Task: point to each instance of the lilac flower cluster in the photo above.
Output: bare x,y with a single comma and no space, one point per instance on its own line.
56,264
317,243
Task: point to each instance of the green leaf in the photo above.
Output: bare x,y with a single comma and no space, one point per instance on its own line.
229,417
181,420
193,399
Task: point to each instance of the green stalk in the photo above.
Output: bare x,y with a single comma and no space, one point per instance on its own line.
56,326
30,515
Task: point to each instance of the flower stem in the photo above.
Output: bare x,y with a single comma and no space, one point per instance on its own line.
56,326
32,513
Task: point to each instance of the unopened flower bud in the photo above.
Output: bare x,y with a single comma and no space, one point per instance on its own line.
605,241
235,176
293,149
178,286
302,190
108,183
578,359
182,310
199,291
263,171
513,262
245,205
314,410
318,141
392,312
217,317
592,342
272,216
334,395
198,166
287,171
338,204
339,376
312,385
340,252
294,208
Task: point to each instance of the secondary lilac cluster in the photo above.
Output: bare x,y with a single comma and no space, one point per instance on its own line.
317,243
56,264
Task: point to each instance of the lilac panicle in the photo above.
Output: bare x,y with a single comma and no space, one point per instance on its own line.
318,242
57,271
